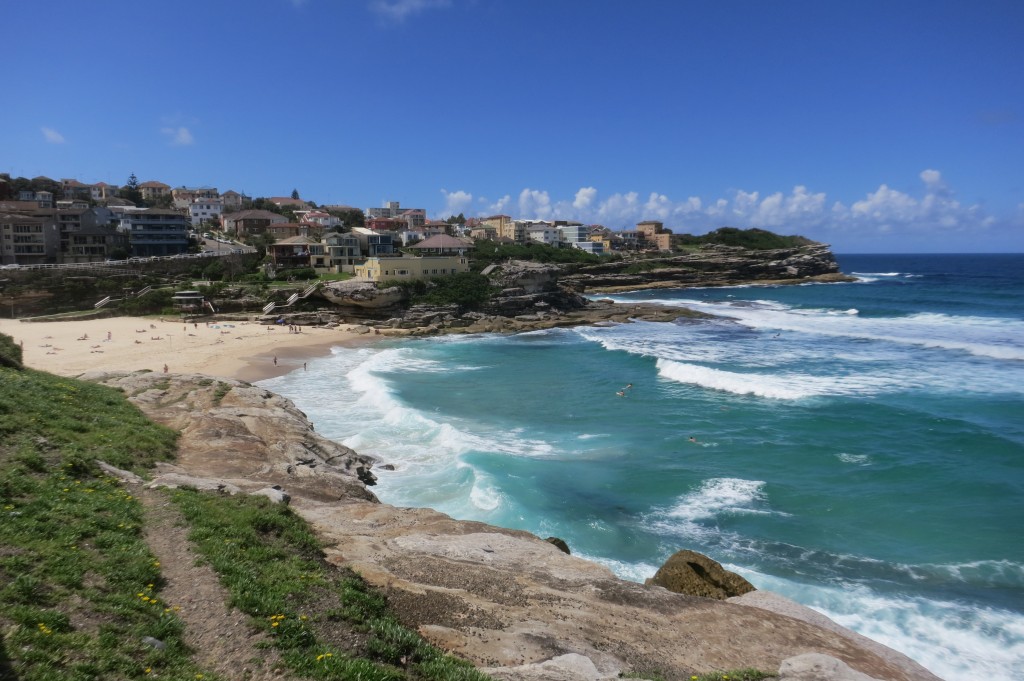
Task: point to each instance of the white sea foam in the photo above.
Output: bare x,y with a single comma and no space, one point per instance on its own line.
778,386
714,498
633,572
654,340
955,641
979,336
761,385
856,459
485,496
989,573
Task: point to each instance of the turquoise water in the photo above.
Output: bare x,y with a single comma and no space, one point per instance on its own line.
859,447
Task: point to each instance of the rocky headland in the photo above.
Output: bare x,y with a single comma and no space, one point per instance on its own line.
516,605
532,296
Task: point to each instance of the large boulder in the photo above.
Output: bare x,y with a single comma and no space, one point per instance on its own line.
361,294
694,574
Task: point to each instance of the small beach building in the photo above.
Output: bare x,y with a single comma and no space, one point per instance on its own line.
188,302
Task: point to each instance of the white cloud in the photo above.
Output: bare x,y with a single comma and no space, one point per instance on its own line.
398,10
885,204
52,136
179,136
658,206
584,197
534,204
618,209
501,205
931,178
456,202
884,215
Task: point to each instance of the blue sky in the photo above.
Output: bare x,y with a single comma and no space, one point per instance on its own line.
873,126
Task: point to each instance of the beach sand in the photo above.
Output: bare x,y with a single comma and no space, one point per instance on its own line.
241,350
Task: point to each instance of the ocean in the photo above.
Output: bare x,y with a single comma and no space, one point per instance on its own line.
856,447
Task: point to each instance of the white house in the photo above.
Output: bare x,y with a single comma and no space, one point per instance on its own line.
542,232
205,210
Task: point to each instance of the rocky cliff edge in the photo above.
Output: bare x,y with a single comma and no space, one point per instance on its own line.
513,604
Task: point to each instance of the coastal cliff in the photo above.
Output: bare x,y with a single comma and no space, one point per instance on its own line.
711,265
511,603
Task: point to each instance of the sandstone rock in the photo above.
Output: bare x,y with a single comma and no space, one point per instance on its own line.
570,667
242,437
818,667
694,574
123,476
766,600
180,480
275,494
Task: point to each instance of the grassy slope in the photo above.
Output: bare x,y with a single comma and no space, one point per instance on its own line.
80,590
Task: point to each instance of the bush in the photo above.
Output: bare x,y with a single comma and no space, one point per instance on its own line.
298,273
489,252
753,239
155,302
10,353
466,289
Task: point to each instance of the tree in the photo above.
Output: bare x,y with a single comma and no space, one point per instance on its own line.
130,191
351,217
262,243
295,194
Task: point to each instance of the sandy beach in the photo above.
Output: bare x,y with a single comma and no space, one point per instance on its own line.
243,350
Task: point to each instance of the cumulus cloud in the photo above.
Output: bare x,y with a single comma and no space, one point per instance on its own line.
179,136
500,206
882,212
398,11
534,204
456,202
584,197
52,136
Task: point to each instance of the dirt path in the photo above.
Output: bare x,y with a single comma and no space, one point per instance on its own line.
222,638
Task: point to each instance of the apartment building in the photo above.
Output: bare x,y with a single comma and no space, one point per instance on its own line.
27,240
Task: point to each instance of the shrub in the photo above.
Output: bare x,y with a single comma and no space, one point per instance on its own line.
10,352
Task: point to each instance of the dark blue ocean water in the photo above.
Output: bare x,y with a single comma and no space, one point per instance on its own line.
859,447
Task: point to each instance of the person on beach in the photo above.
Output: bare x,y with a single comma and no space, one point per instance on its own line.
165,368
275,360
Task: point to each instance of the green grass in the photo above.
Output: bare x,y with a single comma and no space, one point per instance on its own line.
79,588
273,567
735,675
